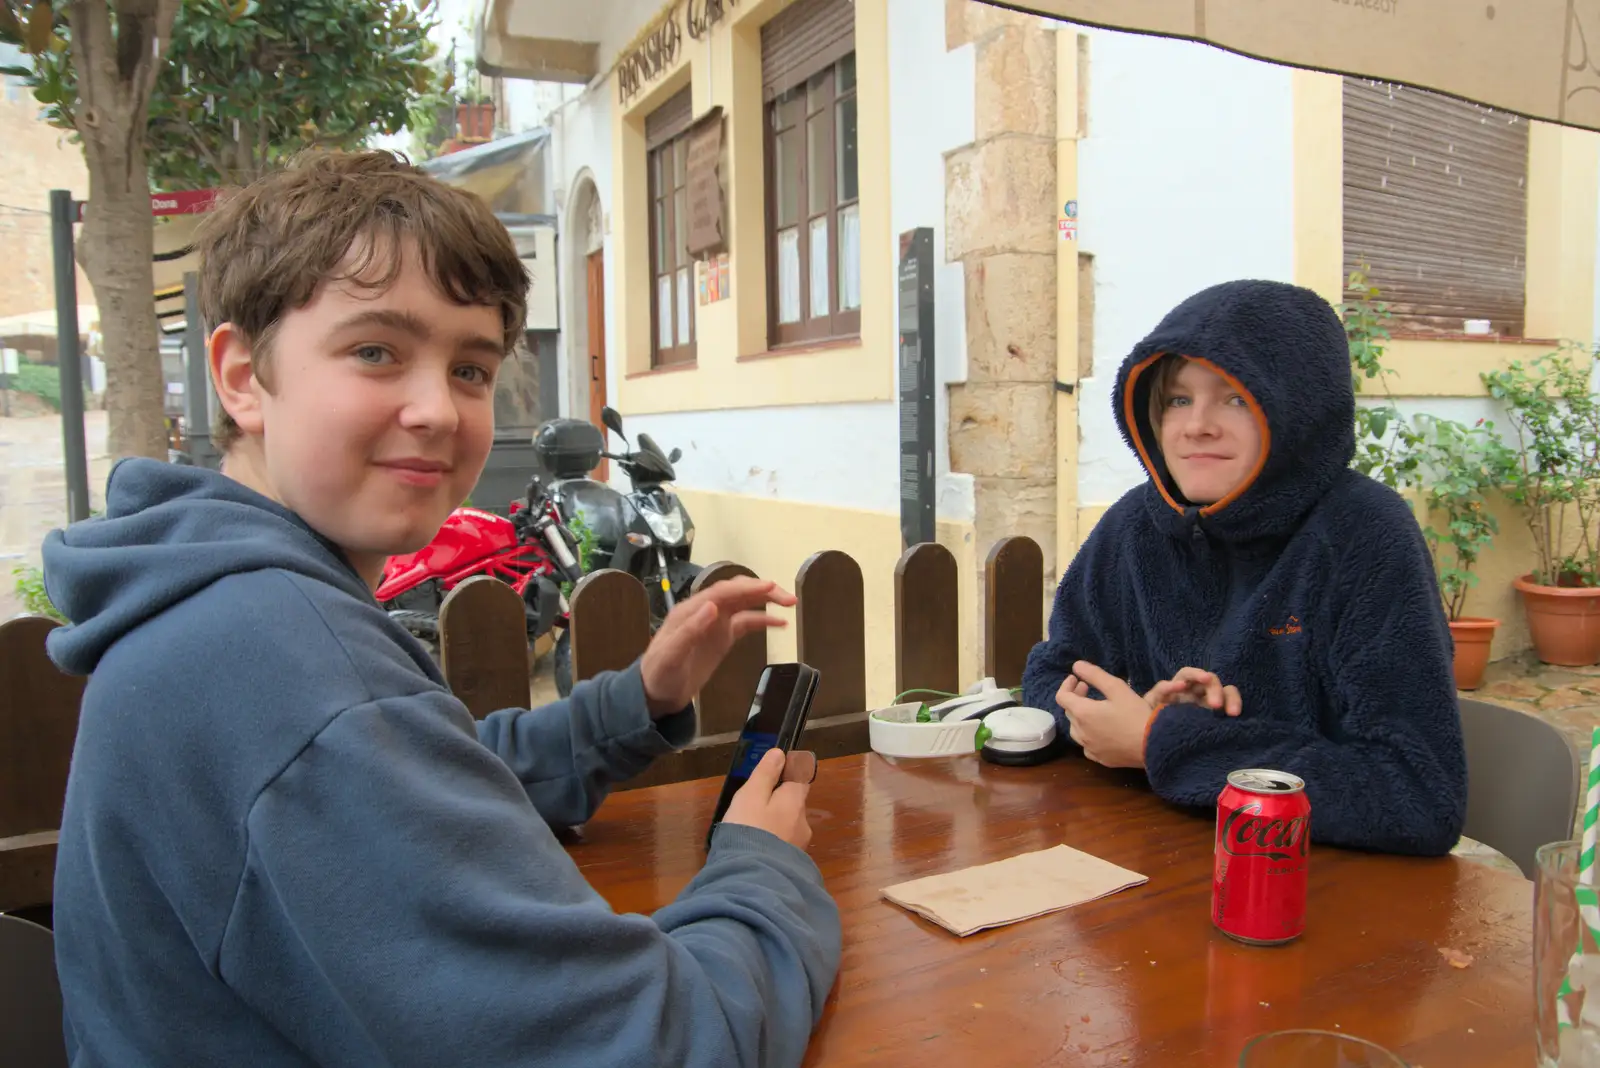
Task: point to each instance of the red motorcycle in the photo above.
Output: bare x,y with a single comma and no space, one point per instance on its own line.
533,552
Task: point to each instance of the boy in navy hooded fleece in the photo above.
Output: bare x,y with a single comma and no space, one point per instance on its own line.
285,842
1256,603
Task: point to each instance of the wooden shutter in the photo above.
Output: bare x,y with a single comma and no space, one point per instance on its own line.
806,38
1435,203
670,119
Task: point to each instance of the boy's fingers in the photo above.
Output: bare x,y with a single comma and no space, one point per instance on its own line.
1075,705
746,623
746,594
1107,683
800,767
767,773
792,794
1233,700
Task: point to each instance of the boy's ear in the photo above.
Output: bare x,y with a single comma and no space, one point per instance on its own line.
233,375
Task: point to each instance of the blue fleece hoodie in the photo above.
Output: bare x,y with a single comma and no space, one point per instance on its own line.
286,844
1311,591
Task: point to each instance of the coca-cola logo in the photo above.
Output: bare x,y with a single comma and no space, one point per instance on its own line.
1245,833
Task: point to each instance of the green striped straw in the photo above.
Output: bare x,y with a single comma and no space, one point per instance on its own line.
1588,899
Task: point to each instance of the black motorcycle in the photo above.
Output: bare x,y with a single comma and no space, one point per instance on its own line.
646,532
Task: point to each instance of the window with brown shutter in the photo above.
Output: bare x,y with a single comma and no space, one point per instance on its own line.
672,303
1436,207
813,190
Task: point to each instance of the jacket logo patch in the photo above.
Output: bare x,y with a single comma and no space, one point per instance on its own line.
1290,627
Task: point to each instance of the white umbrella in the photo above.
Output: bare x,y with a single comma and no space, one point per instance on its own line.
1537,58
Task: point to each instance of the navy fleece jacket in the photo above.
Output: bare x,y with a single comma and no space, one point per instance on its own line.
1311,591
286,844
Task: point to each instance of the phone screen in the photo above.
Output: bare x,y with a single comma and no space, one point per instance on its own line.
768,725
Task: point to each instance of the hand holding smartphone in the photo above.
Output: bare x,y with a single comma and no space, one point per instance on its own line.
777,716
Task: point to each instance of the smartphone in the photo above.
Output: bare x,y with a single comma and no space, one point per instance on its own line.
777,716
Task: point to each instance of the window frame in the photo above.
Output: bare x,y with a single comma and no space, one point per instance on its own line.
667,164
838,324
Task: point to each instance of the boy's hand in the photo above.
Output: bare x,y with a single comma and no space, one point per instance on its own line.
697,635
1110,732
772,804
1193,686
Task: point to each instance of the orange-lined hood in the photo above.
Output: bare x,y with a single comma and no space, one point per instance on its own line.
1285,348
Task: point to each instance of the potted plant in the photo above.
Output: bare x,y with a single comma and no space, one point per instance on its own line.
1556,481
474,110
1458,466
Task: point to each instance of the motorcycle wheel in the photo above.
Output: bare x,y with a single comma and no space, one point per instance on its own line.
562,663
423,626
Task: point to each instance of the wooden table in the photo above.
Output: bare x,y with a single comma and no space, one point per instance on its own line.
1138,978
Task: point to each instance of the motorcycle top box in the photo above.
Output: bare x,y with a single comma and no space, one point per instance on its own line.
568,448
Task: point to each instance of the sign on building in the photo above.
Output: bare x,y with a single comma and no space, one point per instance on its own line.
916,386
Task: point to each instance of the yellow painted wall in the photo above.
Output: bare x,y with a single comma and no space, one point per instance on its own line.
733,368
1563,193
1069,48
773,538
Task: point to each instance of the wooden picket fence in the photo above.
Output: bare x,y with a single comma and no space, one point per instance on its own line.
484,655
38,724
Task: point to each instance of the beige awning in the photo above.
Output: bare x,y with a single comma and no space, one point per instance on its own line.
36,331
1538,58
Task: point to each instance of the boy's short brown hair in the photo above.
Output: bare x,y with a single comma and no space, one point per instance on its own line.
268,247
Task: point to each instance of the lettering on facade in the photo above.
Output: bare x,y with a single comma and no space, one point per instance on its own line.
1381,7
657,52
705,183
704,14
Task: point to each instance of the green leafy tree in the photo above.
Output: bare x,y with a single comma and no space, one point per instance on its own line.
199,94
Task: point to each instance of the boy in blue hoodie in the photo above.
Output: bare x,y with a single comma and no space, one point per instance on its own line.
285,843
1257,603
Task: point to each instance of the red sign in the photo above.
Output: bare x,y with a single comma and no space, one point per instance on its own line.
184,202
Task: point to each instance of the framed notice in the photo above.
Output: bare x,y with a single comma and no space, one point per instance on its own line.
706,201
916,386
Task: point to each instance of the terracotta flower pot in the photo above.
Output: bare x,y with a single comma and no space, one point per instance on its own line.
1564,622
1472,636
475,122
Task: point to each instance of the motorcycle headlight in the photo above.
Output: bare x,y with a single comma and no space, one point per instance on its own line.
666,527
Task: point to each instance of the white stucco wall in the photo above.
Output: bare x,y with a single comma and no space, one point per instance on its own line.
581,150
931,112
1186,179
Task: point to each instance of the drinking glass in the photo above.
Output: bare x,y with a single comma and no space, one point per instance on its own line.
1567,1024
1315,1049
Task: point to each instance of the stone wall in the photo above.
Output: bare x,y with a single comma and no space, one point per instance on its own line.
1000,195
36,159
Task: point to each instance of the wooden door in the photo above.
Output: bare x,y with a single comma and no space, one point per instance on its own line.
597,348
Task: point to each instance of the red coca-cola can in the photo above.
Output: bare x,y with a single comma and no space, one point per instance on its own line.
1258,886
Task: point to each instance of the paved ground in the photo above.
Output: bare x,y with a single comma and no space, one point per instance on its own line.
33,489
33,501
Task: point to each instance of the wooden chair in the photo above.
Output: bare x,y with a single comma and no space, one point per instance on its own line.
31,1030
38,726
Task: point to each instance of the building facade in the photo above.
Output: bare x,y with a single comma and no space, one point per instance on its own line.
1079,183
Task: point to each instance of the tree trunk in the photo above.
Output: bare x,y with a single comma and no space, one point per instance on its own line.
116,249
117,70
